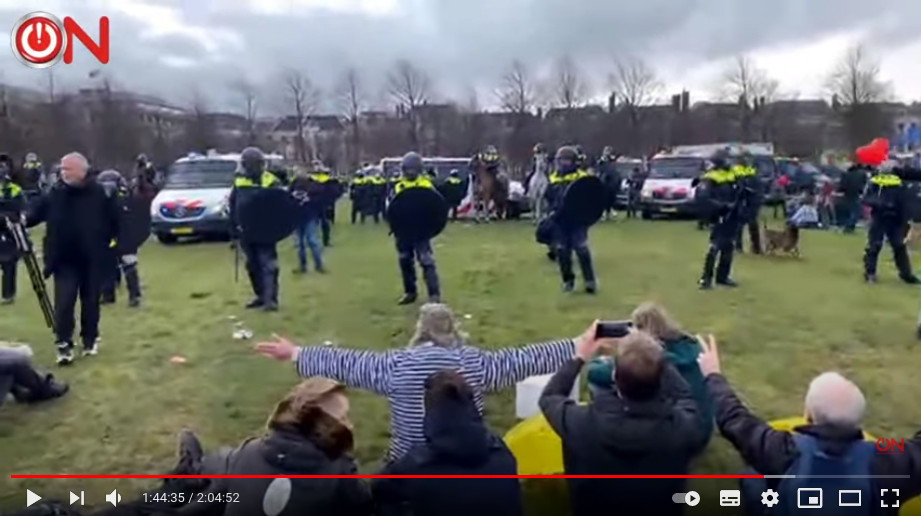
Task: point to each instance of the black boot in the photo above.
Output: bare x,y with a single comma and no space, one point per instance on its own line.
706,277
133,285
724,267
588,271
903,263
408,298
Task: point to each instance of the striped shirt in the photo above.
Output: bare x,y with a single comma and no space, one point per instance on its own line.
400,375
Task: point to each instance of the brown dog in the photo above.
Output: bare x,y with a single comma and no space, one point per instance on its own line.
786,240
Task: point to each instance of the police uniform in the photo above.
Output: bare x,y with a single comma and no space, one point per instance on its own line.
357,194
409,251
751,196
377,196
718,193
567,239
887,197
454,181
328,213
11,206
120,263
261,259
31,176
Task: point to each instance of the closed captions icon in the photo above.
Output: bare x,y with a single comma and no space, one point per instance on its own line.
730,498
38,40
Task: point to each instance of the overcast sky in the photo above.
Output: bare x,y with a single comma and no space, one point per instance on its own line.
173,47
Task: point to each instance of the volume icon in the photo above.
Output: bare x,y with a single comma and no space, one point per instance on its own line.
113,497
76,498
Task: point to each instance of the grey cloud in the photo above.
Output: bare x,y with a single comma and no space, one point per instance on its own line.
464,43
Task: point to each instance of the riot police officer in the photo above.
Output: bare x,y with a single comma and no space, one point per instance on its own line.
145,177
887,197
452,183
567,239
358,194
121,260
751,196
410,251
11,206
31,175
718,193
261,259
320,175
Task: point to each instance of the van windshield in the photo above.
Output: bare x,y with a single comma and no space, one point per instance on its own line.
206,173
675,168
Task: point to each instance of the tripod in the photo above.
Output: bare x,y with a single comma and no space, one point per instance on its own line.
24,244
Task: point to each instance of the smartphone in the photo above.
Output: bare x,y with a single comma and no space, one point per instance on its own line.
613,329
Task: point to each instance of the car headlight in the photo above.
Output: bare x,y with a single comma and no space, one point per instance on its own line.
646,195
219,209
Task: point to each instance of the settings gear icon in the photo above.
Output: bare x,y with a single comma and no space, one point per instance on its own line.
770,498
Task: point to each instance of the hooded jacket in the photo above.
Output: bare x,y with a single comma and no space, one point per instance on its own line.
282,453
615,436
457,442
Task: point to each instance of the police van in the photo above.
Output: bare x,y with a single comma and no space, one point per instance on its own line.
193,200
441,166
670,186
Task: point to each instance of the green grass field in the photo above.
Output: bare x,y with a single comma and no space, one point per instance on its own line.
790,320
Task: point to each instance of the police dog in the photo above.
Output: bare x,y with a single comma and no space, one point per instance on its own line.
785,240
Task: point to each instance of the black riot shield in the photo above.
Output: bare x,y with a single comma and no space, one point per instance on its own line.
583,204
417,214
134,226
269,216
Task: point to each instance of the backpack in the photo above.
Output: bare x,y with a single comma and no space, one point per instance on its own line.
816,470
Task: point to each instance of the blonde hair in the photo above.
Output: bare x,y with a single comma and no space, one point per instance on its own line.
656,321
437,325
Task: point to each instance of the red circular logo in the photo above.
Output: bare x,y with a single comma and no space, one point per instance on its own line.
38,39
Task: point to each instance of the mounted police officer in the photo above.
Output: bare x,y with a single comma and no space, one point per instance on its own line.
123,257
718,193
751,196
410,245
11,206
568,237
261,258
888,199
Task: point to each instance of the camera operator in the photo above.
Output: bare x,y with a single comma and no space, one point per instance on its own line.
81,220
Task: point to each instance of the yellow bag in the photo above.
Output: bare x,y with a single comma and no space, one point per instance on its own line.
536,447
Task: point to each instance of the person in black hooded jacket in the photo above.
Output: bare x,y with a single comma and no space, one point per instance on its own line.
457,443
309,434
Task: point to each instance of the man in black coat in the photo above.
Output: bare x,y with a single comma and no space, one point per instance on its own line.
834,408
81,221
851,187
457,443
649,424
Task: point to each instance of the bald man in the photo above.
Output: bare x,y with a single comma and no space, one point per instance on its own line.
81,221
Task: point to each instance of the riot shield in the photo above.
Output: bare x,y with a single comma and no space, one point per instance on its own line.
583,203
417,214
452,192
135,224
270,215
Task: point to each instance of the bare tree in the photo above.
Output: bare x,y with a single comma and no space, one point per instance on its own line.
636,85
200,131
302,98
409,87
856,79
517,93
351,100
744,82
248,98
570,87
857,89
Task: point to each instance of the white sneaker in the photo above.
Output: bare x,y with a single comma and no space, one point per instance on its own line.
91,350
65,356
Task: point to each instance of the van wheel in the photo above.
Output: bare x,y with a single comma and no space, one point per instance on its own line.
166,238
646,215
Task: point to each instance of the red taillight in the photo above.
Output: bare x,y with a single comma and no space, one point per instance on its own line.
659,191
681,191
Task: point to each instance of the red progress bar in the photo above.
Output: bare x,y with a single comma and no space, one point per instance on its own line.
384,476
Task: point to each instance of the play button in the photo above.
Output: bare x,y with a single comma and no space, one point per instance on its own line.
31,498
692,498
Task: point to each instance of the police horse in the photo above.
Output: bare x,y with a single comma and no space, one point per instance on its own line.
491,188
537,186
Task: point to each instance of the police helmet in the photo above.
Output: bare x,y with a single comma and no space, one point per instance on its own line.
540,148
412,165
360,174
252,160
454,173
608,150
30,157
567,159
142,159
111,180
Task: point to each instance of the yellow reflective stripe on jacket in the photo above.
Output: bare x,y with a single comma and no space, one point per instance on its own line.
720,176
454,180
267,180
112,243
886,180
320,178
744,171
359,181
33,165
555,177
14,189
419,182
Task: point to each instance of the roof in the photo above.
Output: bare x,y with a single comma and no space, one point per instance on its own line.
215,156
708,150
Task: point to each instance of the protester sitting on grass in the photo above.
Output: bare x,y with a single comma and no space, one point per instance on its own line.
457,442
648,423
400,374
681,350
827,452
309,433
17,377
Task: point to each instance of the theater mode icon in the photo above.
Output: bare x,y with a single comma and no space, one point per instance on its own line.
730,498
